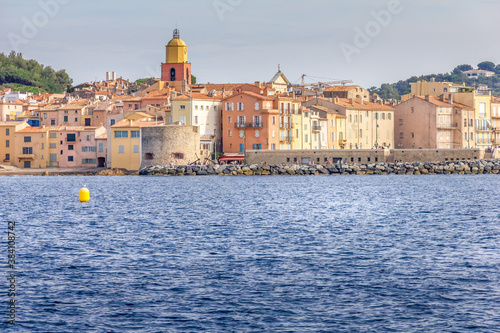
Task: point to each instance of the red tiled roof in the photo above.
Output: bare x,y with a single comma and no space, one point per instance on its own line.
438,102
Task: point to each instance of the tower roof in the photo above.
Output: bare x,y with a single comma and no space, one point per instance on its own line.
176,41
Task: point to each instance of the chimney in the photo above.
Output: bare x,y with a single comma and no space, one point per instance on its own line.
450,98
337,100
330,99
351,100
130,122
361,100
427,98
257,84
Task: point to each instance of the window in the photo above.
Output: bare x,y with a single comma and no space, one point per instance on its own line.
229,133
70,147
53,135
360,133
401,135
257,133
350,118
101,147
89,137
65,118
482,110
172,74
229,106
121,149
89,161
383,116
71,138
27,139
88,148
196,120
121,134
182,119
52,145
242,147
274,133
76,119
268,105
305,127
242,133
389,116
230,119
306,138
70,158
7,143
135,134
136,149
7,157
7,131
196,107
332,136
183,107
112,122
400,122
130,105
412,135
27,150
257,106
274,120
44,116
240,106
465,122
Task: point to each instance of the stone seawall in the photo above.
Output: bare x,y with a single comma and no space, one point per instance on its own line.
465,167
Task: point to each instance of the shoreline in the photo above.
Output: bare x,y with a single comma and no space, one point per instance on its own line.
415,168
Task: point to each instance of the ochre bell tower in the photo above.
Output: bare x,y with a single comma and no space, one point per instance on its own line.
176,70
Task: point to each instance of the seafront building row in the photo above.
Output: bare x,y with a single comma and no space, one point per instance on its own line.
117,124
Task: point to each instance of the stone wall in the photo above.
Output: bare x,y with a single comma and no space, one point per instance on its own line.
362,156
162,145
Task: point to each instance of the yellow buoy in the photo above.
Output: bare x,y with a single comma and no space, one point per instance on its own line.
84,194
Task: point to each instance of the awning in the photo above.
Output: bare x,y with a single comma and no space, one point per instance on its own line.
231,158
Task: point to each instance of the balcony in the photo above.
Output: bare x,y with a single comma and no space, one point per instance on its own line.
285,125
316,128
52,164
448,126
286,139
27,156
249,125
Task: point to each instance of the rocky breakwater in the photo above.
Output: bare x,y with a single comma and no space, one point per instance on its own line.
474,167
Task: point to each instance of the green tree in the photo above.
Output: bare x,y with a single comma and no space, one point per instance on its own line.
193,79
486,65
462,68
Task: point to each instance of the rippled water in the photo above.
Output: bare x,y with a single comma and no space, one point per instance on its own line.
255,254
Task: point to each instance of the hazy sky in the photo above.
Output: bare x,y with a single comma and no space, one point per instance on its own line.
368,41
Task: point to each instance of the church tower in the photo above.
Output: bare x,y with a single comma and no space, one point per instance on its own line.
176,70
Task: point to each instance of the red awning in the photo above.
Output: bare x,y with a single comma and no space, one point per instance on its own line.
231,158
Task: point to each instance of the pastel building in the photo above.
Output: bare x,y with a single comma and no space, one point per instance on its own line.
8,130
433,123
78,146
495,121
204,111
32,147
250,122
125,139
10,110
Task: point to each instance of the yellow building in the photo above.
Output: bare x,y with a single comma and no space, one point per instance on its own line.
33,147
125,140
8,130
10,110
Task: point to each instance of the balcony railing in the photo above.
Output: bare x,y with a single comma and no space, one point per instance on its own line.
448,126
53,164
286,139
249,125
286,125
316,128
27,156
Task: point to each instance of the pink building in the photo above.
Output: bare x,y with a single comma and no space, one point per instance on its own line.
78,146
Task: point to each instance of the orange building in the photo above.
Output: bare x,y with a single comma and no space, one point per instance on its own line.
249,122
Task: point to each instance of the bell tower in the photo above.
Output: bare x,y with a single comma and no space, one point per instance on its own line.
176,70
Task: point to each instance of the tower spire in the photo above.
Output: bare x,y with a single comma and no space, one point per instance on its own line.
176,33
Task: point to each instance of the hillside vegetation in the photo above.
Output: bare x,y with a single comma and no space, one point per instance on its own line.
29,75
395,90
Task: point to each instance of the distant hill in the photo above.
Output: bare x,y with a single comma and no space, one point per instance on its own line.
28,75
395,90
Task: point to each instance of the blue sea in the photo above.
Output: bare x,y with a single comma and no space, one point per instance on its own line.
253,254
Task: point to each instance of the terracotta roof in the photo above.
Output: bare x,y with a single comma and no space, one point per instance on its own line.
77,128
342,88
39,129
195,96
165,92
344,102
11,123
218,87
249,93
438,102
125,123
322,108
102,136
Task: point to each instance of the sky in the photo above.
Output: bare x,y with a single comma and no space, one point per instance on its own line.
368,41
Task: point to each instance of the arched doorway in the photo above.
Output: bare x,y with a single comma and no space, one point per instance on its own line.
101,162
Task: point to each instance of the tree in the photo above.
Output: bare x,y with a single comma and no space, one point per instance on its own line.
497,69
486,65
193,79
462,68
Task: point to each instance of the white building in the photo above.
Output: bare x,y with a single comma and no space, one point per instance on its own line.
201,110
